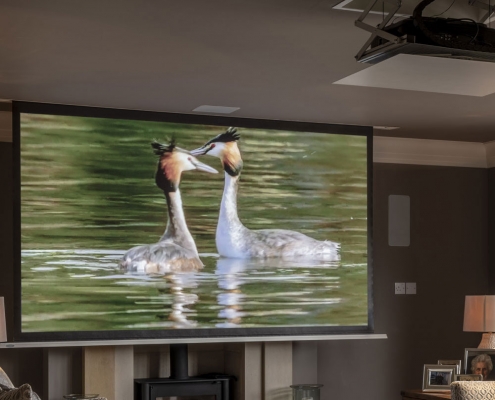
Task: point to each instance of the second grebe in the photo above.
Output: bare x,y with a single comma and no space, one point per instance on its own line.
233,239
176,250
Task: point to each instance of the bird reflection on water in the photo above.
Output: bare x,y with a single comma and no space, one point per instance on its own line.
232,273
180,299
226,293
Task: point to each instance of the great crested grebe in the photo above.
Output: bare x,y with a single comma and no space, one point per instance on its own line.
176,250
233,239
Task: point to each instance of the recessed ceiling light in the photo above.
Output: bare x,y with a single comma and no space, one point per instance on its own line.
216,109
386,128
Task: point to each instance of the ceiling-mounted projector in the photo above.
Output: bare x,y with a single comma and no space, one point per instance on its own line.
459,38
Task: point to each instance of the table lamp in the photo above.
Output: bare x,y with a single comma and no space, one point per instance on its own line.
3,325
479,316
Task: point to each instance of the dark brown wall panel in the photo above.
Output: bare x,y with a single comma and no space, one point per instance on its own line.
491,229
6,231
447,259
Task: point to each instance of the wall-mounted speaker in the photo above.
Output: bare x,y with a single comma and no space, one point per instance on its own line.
399,220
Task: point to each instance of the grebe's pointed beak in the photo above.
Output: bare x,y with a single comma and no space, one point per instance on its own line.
200,151
203,167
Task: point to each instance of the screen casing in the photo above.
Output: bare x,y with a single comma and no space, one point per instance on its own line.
284,332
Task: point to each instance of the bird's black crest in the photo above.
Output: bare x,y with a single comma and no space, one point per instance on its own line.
159,149
230,135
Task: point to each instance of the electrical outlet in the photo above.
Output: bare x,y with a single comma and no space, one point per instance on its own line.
411,288
400,288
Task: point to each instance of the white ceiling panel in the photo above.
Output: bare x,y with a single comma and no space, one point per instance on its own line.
428,74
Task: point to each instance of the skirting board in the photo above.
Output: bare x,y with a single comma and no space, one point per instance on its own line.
18,345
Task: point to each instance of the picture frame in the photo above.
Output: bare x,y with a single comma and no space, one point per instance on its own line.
451,362
437,378
484,359
468,377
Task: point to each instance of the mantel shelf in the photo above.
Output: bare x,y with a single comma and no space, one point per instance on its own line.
131,342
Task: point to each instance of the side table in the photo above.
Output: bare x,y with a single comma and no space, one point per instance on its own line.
97,398
419,394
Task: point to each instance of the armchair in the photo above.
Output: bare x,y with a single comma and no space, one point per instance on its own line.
470,390
9,392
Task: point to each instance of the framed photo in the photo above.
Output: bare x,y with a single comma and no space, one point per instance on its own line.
480,361
468,377
451,362
437,378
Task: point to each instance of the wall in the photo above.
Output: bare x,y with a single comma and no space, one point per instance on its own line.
447,258
491,229
6,221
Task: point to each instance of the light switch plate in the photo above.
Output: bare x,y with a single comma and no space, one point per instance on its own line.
411,288
400,288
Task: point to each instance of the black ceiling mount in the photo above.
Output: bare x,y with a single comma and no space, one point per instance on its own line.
459,38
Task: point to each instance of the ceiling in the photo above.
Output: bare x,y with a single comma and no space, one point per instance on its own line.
275,59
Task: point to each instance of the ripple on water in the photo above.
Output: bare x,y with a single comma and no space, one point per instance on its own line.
226,293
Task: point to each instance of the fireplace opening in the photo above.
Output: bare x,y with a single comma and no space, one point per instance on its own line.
180,386
187,398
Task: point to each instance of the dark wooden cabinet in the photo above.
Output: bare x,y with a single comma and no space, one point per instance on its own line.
420,395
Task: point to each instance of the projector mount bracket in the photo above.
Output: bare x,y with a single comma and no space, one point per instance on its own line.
378,30
391,39
488,7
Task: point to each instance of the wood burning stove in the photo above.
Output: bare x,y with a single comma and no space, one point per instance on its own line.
180,385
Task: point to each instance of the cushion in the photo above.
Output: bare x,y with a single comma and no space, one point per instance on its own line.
470,390
6,386
35,396
23,392
4,379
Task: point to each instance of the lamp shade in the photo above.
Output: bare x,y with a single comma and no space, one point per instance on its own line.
479,314
3,325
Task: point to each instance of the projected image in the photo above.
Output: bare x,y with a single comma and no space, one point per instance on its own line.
135,225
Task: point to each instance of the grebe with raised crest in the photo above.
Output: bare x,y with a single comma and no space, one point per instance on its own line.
176,250
232,238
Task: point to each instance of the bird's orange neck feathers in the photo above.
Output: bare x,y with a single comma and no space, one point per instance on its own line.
168,173
231,159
